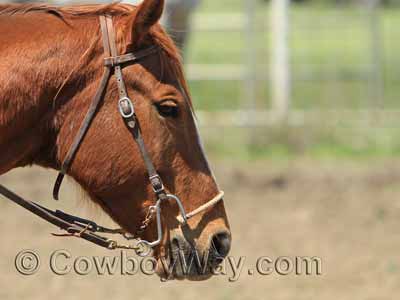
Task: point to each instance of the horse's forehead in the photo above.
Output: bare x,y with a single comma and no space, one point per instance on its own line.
156,80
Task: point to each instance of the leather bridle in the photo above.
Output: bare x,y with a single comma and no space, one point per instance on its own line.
86,229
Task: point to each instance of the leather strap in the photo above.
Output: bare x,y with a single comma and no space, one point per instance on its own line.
84,228
130,57
91,113
127,109
112,61
82,132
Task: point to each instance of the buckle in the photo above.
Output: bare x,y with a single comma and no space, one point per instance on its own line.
157,184
126,108
110,62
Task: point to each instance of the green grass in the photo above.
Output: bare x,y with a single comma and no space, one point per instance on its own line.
216,95
331,62
283,143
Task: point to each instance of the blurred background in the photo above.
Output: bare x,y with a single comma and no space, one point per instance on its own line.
298,104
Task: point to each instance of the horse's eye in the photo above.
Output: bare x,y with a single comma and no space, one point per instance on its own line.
168,108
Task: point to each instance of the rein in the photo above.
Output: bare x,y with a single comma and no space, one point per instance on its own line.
74,226
86,229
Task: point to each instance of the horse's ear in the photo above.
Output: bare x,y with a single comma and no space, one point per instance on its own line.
146,15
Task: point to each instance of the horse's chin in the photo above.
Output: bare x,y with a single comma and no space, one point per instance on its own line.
177,274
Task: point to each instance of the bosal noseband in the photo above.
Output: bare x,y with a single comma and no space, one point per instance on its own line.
86,229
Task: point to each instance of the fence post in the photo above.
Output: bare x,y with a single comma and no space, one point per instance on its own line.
280,68
251,58
376,85
250,52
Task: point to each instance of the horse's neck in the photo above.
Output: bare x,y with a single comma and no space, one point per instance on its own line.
37,54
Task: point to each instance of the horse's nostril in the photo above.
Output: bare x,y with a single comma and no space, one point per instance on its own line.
221,243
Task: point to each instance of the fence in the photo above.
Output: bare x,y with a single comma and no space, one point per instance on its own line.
293,63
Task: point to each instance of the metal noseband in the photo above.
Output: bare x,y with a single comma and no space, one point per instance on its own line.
86,229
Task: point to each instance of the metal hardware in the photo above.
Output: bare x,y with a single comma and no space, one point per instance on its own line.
126,108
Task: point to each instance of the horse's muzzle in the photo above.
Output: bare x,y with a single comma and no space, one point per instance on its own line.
185,261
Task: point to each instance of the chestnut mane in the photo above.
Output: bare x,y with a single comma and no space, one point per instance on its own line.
68,11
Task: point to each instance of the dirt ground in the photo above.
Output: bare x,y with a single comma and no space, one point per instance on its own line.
345,213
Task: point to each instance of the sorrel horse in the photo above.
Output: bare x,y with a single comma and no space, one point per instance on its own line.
51,67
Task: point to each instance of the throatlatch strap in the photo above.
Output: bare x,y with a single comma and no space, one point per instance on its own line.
82,132
89,115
